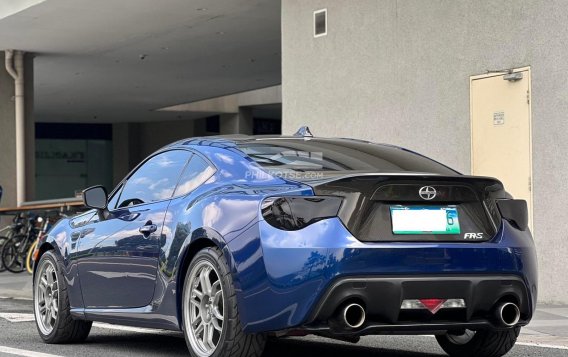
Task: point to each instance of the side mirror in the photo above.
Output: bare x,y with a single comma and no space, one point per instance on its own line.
95,197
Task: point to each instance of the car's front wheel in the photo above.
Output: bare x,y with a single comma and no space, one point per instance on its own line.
210,315
479,343
51,305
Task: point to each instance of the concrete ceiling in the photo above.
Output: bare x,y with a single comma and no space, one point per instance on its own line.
110,61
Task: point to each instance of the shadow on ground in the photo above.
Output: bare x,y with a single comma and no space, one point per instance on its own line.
175,346
305,348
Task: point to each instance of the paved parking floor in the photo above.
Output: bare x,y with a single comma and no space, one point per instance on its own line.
547,335
15,285
549,326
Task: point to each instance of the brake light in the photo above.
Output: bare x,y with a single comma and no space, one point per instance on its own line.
291,213
514,211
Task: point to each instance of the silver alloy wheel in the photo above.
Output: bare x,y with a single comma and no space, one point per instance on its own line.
203,310
46,302
461,339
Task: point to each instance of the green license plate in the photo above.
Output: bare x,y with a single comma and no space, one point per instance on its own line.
425,220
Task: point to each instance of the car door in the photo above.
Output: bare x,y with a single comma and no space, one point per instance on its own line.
118,255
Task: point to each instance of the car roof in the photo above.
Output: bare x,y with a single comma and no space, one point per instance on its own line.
235,139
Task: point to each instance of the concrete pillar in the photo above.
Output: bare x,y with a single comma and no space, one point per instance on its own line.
7,137
199,126
135,142
120,151
237,123
228,123
245,120
29,126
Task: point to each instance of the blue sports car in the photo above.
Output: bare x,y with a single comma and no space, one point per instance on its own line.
233,240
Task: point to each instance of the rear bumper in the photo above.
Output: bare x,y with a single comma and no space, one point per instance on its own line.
283,278
382,298
373,328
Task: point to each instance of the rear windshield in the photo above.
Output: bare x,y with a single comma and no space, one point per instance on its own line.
334,156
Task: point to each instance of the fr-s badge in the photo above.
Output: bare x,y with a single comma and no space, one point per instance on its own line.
473,236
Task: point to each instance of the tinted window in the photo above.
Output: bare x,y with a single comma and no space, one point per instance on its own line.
195,173
155,180
338,155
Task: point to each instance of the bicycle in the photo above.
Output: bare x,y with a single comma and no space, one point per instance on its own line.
15,250
8,232
2,241
29,257
31,251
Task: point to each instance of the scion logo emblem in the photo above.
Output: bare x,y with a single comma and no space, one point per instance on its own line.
427,192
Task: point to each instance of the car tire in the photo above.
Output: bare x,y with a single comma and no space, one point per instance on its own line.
209,292
479,343
50,297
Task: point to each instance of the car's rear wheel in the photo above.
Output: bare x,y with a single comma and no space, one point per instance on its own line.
51,305
479,343
210,315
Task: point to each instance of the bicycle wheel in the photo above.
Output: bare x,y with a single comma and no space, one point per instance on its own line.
2,241
13,260
29,260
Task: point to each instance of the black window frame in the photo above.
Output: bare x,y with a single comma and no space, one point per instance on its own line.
207,162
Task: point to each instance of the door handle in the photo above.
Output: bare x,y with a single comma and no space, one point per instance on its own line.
148,229
75,235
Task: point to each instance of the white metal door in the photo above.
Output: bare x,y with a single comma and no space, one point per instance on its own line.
501,131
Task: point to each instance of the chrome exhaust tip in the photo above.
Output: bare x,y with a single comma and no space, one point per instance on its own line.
508,314
353,315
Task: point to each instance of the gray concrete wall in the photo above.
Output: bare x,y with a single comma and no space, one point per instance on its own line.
398,71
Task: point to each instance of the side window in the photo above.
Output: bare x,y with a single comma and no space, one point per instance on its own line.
195,173
155,180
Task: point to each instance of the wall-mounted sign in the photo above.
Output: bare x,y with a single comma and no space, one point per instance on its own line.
498,118
69,156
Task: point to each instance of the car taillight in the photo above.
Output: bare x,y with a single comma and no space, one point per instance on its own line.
291,213
514,211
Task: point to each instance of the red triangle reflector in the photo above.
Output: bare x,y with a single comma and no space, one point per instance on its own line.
433,305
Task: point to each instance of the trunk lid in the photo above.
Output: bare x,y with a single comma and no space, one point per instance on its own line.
376,206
